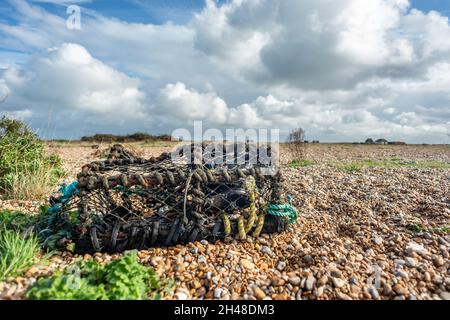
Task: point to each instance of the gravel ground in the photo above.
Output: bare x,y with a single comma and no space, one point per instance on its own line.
352,239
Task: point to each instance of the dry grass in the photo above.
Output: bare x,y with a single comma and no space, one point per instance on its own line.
33,185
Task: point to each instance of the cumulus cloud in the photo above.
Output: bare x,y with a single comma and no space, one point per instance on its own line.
321,45
71,78
343,70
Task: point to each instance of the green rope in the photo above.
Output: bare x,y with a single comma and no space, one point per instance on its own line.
283,210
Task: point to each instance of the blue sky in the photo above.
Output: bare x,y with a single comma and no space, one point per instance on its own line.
343,70
442,6
178,11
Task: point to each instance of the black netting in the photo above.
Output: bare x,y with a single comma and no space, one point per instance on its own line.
128,202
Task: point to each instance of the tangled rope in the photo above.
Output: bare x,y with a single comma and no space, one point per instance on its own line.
284,210
126,202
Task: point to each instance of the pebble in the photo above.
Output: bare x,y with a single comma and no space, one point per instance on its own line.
308,260
415,247
247,264
401,290
319,291
343,296
377,240
310,281
438,261
181,295
277,282
401,274
281,265
336,273
323,280
218,293
266,250
259,293
295,281
281,296
410,262
387,290
445,295
338,283
374,293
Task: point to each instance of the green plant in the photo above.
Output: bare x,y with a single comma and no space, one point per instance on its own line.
15,220
351,167
445,230
17,253
122,279
416,228
300,163
26,171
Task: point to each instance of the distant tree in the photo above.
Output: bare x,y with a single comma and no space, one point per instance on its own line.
369,141
297,147
297,136
381,141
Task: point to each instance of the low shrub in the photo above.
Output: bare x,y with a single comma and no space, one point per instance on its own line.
26,171
122,279
15,220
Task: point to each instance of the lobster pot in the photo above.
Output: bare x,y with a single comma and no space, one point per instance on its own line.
127,202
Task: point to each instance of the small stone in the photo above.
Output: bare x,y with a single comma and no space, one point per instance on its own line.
338,283
323,280
310,281
401,274
308,260
355,289
295,281
247,264
282,296
266,250
86,257
218,293
200,292
277,282
415,247
194,250
259,293
445,295
411,262
336,273
438,261
387,290
377,240
400,290
181,295
374,293
343,296
281,265
202,259
319,291
197,284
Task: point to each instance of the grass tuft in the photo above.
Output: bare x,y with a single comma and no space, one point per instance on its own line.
17,254
300,163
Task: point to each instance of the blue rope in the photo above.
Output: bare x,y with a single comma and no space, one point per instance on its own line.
67,192
284,210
